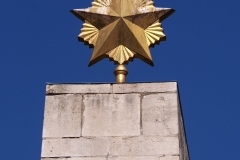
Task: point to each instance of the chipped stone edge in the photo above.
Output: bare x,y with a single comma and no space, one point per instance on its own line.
54,89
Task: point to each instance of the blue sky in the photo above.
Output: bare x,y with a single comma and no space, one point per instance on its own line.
38,44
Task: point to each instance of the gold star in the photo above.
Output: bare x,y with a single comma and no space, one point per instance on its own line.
122,29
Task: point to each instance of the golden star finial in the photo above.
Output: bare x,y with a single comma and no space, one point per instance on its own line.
122,29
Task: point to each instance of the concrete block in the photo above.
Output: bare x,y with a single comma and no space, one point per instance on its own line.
160,114
75,147
135,158
111,115
109,158
76,158
144,146
169,158
145,87
78,88
88,158
62,117
115,146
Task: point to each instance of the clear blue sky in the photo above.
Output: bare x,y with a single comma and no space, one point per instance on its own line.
38,44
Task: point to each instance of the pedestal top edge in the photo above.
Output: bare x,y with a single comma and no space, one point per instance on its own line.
93,83
106,88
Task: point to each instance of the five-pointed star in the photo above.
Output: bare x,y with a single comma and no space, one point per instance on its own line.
122,22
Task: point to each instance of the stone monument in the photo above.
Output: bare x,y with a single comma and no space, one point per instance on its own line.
116,121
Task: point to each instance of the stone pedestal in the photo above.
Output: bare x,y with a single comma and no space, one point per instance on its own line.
131,121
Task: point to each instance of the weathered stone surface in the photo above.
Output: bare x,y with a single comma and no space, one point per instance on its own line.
93,158
77,158
111,115
160,114
184,155
76,147
107,158
114,146
138,121
144,146
62,117
78,88
135,158
145,87
170,158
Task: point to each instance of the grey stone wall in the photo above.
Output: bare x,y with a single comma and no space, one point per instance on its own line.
134,121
